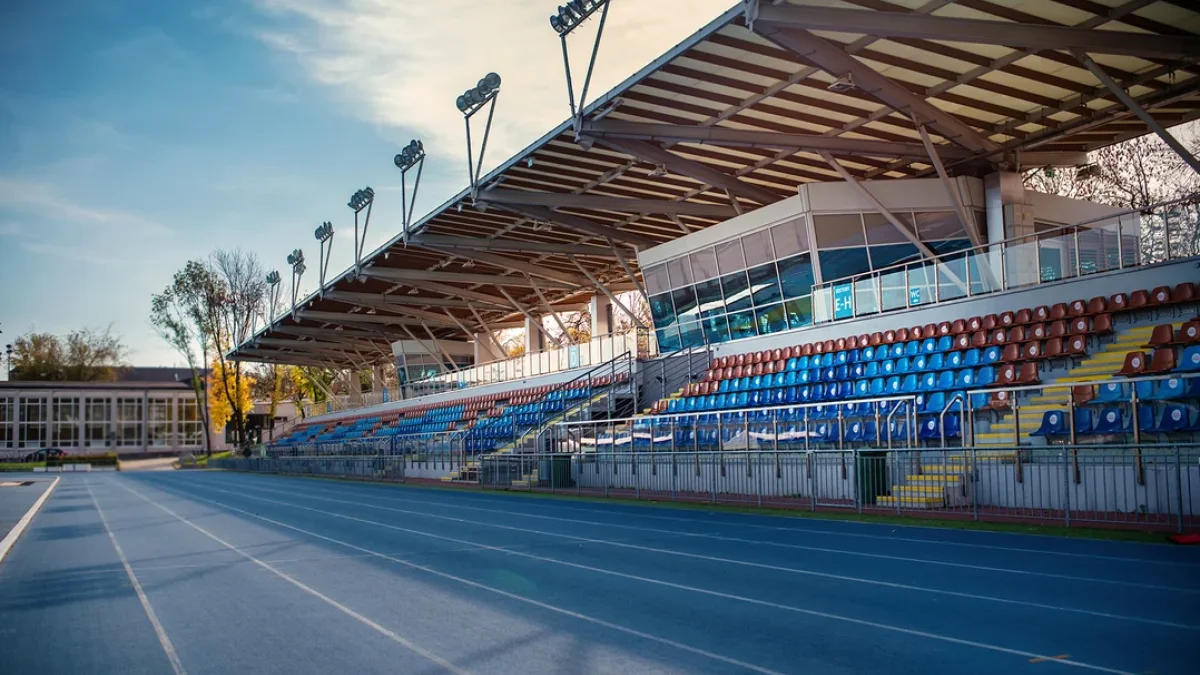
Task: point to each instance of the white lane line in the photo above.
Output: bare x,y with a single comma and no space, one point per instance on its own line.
730,561
163,639
474,584
631,513
759,542
693,589
395,637
9,539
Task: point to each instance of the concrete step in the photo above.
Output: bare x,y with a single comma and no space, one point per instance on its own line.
908,491
933,478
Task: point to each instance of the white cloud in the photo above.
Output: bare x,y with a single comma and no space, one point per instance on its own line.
48,202
71,253
401,64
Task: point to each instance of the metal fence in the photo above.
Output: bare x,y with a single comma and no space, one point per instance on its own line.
1155,487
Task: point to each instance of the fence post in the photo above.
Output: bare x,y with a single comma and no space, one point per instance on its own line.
1066,489
1179,486
972,474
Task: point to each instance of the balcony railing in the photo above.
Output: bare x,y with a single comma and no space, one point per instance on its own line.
1156,234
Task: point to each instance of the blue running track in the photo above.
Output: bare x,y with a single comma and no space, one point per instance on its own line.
216,573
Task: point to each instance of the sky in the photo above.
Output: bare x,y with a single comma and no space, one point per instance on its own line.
136,135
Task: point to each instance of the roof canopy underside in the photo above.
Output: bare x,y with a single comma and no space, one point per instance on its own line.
740,118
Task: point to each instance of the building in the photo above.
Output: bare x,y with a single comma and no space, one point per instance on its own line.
148,410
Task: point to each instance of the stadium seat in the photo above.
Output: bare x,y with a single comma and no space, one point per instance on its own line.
1163,361
1175,419
1054,423
1169,389
1109,421
1190,362
1135,364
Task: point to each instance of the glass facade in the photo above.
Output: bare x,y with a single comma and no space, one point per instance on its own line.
761,282
66,423
7,423
91,422
129,421
159,420
191,426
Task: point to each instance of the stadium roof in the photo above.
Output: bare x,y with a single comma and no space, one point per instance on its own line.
732,119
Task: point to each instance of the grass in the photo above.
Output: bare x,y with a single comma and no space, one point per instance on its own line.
202,462
1074,532
21,466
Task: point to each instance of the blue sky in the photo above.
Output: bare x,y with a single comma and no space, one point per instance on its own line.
138,134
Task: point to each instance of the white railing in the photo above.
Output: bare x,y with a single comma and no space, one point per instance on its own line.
1156,234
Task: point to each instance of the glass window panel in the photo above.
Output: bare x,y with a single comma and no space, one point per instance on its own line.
668,340
764,284
661,310
771,319
839,263
656,279
685,302
737,291
704,264
881,231
951,277
866,297
892,254
708,296
790,238
716,329
822,302
842,229
894,290
741,325
690,334
680,271
796,275
920,284
729,256
949,246
758,248
799,312
933,225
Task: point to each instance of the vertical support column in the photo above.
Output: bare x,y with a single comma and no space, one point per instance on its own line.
1010,215
535,341
485,349
376,379
600,308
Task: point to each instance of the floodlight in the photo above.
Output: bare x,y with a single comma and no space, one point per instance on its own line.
273,277
483,91
574,13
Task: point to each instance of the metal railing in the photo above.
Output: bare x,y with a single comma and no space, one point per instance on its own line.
1160,233
598,350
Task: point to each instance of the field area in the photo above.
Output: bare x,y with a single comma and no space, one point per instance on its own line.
204,572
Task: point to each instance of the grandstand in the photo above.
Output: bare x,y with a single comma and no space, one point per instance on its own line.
856,301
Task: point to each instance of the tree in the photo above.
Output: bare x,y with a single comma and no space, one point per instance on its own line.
85,355
241,297
229,392
182,315
274,383
313,383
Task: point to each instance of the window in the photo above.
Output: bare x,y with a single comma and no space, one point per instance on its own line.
65,431
771,319
839,263
680,272
741,325
892,254
704,264
661,310
690,334
32,433
764,284
935,225
737,291
716,329
97,415
758,249
159,419
7,421
685,303
799,312
790,238
709,298
656,279
796,275
129,421
668,340
729,256
834,230
881,231
191,426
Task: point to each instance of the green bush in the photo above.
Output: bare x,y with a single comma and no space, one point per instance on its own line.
97,459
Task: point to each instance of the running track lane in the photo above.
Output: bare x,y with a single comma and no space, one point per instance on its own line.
271,574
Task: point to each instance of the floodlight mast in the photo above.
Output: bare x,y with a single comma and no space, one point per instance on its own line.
569,17
361,201
273,280
324,235
484,93
296,260
412,155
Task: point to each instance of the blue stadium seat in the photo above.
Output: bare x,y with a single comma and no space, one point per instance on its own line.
871,369
903,365
945,379
1054,423
937,361
887,367
1175,418
1169,389
971,358
945,343
990,355
928,346
965,379
912,348
861,432
1111,392
1110,421
933,403
919,362
909,384
931,428
868,353
928,381
893,385
985,376
1144,390
1190,361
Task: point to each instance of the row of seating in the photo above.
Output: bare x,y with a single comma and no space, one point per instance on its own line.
1112,420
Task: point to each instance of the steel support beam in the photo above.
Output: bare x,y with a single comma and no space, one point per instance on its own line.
579,224
546,306
352,337
632,277
317,345
408,275
965,217
442,242
978,31
474,296
604,289
373,302
441,348
1138,110
602,203
835,61
395,299
349,318
649,152
608,130
507,263
491,336
537,322
427,350
264,355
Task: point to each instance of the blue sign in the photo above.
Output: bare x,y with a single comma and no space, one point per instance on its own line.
914,296
573,356
386,397
843,301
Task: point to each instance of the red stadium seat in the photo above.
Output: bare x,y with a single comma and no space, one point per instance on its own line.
974,323
1022,317
958,326
1188,334
1041,313
943,328
1077,308
1184,292
1161,336
1037,331
876,339
1059,311
1075,345
1007,319
1102,324
1139,300
1097,305
1163,361
1161,295
1135,364
990,321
